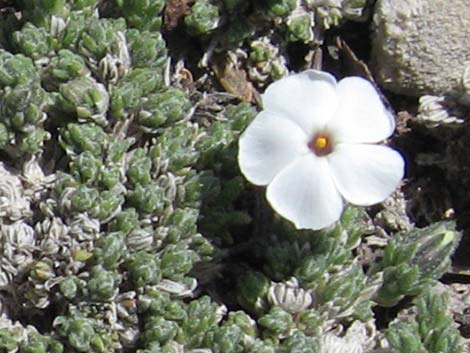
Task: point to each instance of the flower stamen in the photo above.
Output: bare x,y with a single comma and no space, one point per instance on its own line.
321,144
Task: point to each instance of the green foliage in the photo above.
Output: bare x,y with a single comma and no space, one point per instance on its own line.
142,14
125,221
280,7
253,287
100,37
298,342
22,114
239,29
69,287
8,342
182,224
32,41
415,258
431,330
229,338
217,148
84,198
144,268
64,67
23,102
147,198
78,138
167,107
277,322
201,319
177,262
86,168
16,69
40,12
140,165
79,332
109,250
244,322
266,60
157,329
204,17
41,344
147,49
126,224
299,28
85,98
175,148
102,284
127,96
109,202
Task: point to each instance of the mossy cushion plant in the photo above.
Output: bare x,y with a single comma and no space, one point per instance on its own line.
127,224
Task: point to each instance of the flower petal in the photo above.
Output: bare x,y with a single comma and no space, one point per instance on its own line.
366,174
361,116
304,193
269,144
308,98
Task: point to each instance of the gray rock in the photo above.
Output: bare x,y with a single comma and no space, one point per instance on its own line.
421,46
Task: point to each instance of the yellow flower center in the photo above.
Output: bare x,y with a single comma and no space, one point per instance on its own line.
321,144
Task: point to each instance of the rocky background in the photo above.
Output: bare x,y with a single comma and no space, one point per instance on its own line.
126,226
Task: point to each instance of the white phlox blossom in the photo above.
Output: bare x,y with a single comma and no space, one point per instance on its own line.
313,145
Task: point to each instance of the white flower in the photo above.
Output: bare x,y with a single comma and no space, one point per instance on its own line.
313,145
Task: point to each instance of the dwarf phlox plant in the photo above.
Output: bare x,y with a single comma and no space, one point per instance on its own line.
314,146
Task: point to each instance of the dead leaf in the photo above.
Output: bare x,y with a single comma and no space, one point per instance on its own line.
175,10
235,80
353,65
403,117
